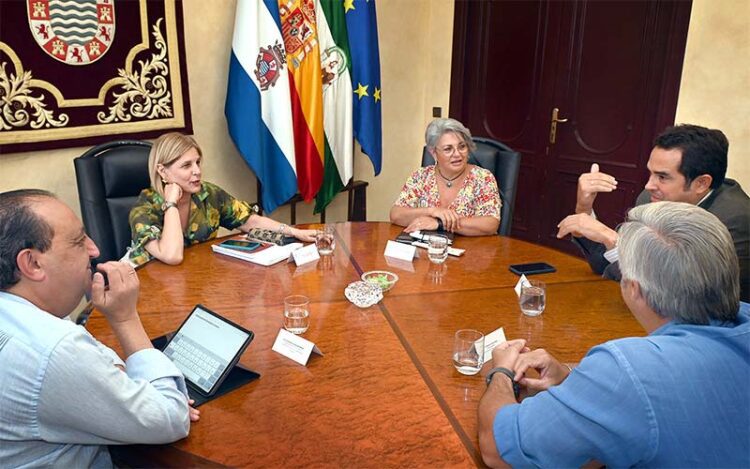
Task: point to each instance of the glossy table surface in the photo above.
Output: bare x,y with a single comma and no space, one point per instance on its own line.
385,393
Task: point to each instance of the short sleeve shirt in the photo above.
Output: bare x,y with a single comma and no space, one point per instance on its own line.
677,398
210,208
478,197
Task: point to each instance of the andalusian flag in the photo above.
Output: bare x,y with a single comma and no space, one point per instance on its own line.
337,98
362,28
303,58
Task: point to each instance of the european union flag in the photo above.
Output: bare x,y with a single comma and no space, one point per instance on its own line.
362,28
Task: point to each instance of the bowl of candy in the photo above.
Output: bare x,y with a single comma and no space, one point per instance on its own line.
382,278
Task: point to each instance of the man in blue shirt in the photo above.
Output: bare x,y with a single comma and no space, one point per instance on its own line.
679,397
63,395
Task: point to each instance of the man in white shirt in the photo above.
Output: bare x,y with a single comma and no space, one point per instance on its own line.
63,395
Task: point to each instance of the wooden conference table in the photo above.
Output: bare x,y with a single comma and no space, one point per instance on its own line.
386,393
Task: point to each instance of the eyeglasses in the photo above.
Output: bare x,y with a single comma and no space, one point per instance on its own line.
461,148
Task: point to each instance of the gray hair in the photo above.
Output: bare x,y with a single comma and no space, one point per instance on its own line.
21,228
438,127
683,258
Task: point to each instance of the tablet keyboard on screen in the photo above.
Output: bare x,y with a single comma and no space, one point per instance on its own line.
197,363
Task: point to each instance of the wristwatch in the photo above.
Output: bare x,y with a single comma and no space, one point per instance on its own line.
167,205
440,226
509,374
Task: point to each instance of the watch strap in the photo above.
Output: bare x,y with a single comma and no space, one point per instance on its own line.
167,205
440,226
509,374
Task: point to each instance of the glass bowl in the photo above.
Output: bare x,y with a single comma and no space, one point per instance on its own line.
382,278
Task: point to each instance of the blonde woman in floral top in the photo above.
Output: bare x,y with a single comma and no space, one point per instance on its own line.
452,194
179,209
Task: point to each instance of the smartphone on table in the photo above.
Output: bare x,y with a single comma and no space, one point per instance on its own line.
532,268
240,245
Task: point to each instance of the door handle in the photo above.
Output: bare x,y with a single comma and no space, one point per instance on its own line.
553,125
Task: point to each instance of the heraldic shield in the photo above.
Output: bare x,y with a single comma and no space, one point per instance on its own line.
74,32
269,64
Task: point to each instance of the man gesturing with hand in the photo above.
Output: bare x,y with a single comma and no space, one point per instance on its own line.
64,395
687,164
583,224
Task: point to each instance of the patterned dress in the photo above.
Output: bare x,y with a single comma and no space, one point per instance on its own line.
477,197
210,208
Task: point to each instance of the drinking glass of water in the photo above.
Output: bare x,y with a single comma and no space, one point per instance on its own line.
437,248
533,298
296,313
325,241
468,351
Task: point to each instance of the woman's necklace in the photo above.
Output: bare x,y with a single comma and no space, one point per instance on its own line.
449,182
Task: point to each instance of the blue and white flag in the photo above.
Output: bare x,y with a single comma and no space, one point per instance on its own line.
258,106
362,27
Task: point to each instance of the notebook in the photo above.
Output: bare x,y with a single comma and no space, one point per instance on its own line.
269,255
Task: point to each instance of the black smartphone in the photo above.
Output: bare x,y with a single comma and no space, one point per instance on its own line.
532,268
241,245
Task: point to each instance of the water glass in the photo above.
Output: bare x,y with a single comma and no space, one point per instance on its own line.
533,298
437,248
296,313
468,351
325,240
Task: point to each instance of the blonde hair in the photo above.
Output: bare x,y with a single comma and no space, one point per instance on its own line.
165,150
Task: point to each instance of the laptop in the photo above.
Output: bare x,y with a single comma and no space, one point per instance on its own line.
206,348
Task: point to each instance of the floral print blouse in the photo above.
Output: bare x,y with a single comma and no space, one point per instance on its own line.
478,197
210,208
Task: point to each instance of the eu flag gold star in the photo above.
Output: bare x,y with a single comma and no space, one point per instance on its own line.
361,90
348,5
376,94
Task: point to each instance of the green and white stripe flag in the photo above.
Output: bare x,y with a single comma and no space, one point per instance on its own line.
335,60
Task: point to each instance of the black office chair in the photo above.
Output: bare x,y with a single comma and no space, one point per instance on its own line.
110,177
504,163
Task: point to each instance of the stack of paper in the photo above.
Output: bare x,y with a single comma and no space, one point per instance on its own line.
269,255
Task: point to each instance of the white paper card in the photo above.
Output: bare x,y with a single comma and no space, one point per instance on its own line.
491,341
401,251
305,255
521,281
294,347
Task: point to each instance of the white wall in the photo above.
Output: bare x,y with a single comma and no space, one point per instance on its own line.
715,88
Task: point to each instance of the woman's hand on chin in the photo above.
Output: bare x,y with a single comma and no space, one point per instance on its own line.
172,192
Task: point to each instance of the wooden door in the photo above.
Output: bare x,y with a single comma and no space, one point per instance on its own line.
612,69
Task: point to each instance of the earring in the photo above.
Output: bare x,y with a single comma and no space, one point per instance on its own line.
164,181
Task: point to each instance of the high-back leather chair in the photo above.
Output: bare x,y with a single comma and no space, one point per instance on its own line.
504,163
110,177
